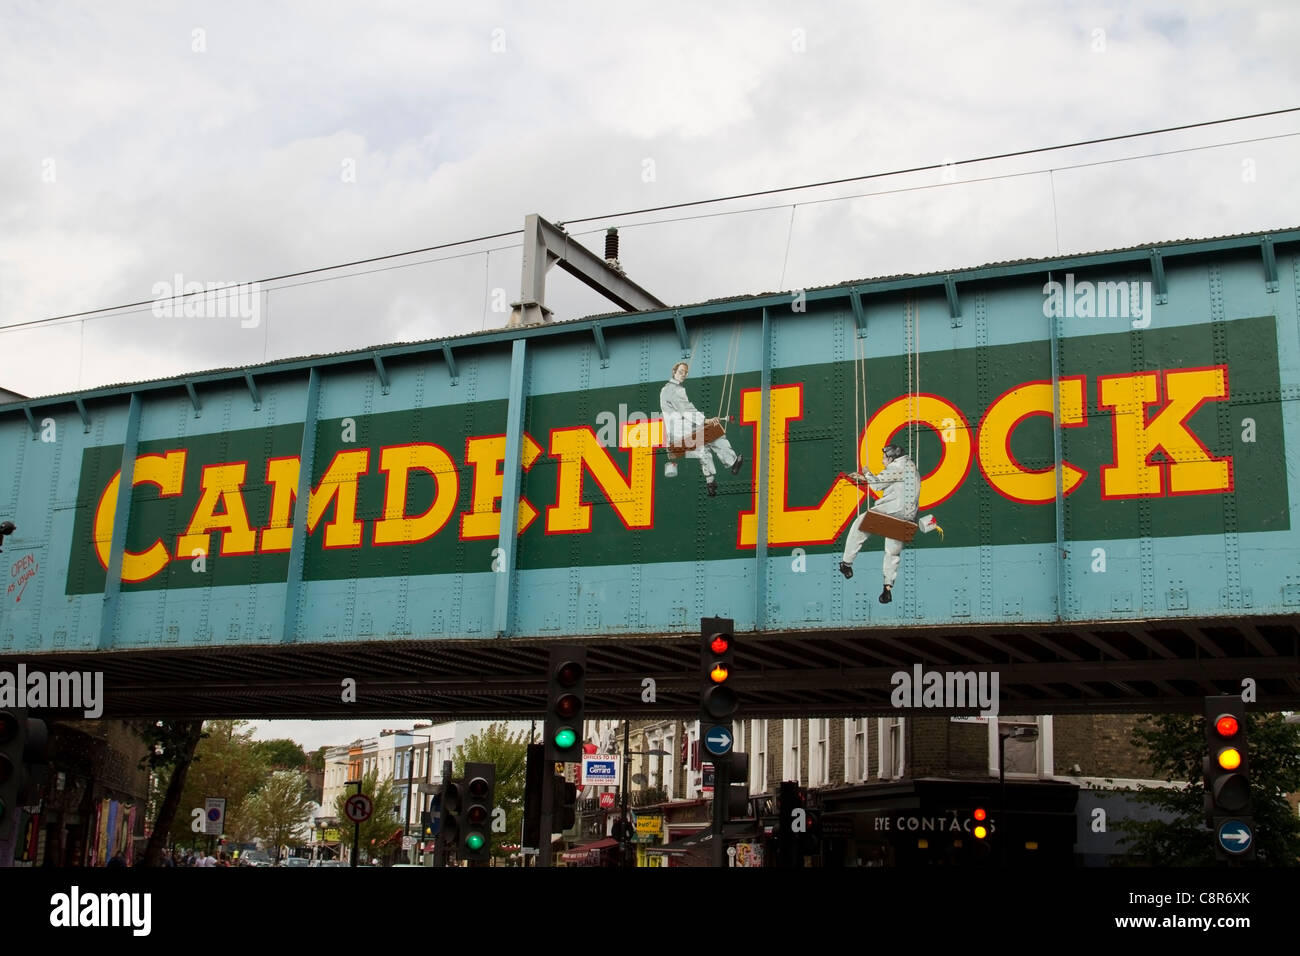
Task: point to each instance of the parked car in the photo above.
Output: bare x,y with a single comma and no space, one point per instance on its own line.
329,863
295,861
254,858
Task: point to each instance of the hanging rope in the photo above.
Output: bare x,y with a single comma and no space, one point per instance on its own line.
729,377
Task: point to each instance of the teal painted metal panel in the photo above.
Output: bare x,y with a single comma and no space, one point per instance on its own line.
1151,480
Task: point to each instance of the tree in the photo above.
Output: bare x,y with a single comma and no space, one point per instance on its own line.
509,753
225,765
281,754
278,811
382,822
170,750
1175,744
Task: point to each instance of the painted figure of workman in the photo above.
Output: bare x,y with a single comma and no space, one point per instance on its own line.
685,425
899,485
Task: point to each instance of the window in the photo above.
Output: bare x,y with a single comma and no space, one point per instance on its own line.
1024,756
891,745
856,769
791,768
819,755
758,761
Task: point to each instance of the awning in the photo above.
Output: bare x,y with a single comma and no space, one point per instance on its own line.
589,853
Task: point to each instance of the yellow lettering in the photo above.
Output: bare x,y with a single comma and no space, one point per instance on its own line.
221,487
632,497
931,410
1001,469
398,460
487,456
1193,470
820,523
167,472
282,476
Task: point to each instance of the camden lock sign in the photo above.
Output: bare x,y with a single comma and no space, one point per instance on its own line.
410,488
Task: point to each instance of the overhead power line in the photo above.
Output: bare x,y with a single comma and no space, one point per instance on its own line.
694,203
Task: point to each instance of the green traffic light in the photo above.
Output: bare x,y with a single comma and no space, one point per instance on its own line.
565,738
474,841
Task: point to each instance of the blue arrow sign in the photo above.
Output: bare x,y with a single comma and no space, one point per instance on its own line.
718,741
1235,836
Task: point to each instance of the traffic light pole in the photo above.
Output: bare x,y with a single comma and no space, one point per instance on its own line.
721,794
439,847
547,815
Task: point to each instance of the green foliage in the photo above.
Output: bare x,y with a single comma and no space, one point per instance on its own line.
382,823
166,742
1175,745
226,764
509,753
279,811
281,754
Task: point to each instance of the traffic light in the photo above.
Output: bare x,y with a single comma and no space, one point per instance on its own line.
476,835
738,795
565,804
717,665
451,812
564,696
22,759
427,828
534,774
1227,777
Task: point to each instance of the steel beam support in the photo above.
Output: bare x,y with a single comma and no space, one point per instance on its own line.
298,546
954,304
121,515
859,313
451,363
1057,452
511,481
194,399
761,454
682,338
85,416
1160,287
252,391
546,244
1270,264
381,372
601,347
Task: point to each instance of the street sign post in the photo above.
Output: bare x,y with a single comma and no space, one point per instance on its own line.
214,816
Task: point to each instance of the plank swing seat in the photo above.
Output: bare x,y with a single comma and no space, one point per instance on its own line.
887,526
709,432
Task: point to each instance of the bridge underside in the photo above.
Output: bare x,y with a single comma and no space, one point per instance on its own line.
1098,668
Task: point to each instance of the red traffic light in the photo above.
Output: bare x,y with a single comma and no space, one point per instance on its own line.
478,788
980,814
720,643
568,705
1226,725
568,673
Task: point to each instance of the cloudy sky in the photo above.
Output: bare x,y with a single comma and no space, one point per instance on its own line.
237,141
